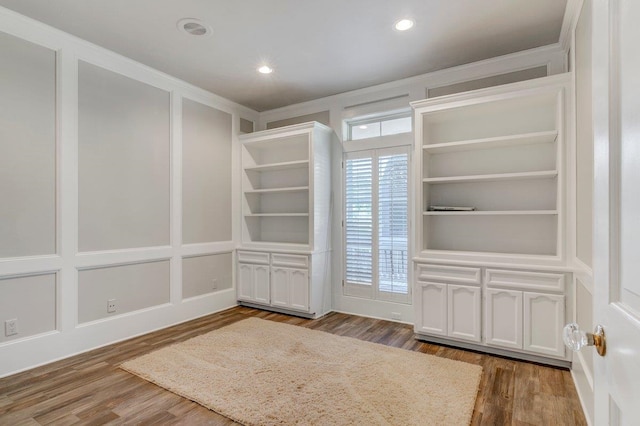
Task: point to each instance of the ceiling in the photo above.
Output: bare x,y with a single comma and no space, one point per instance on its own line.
317,48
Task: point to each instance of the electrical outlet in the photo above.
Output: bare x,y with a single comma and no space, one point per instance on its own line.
111,305
11,327
396,315
214,283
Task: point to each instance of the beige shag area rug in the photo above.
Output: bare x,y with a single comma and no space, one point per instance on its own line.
259,372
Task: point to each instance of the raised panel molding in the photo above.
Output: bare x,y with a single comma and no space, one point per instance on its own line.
463,307
525,280
63,336
262,284
31,300
431,308
280,283
245,282
456,274
299,291
543,321
503,322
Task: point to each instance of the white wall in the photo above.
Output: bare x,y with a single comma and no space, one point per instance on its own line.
391,97
116,183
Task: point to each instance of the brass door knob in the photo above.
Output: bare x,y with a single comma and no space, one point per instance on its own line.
575,339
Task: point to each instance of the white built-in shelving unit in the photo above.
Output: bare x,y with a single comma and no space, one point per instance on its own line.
498,155
286,202
501,154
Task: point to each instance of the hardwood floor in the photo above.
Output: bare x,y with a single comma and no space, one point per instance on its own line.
91,389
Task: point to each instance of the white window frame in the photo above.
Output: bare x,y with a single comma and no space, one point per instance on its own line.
384,145
375,119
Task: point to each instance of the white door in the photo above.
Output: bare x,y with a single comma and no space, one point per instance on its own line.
245,282
463,310
431,308
299,291
503,318
280,287
261,283
616,262
543,321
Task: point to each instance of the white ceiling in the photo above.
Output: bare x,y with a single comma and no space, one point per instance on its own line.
317,48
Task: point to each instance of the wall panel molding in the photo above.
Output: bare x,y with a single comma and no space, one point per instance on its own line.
69,337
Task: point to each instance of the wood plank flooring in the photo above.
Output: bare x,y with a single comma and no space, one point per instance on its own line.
91,389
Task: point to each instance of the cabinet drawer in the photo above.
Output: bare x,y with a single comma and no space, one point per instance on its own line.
525,280
457,274
292,260
253,257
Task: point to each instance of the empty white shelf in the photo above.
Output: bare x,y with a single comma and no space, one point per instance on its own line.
547,174
496,142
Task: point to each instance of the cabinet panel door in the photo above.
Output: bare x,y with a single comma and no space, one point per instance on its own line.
463,307
503,313
261,283
245,282
280,287
543,322
299,290
431,308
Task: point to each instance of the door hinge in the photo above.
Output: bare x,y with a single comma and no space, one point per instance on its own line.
342,164
343,223
342,283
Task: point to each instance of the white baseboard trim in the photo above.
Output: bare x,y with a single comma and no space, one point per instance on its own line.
584,386
35,351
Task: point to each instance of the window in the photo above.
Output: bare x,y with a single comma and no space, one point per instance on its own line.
376,224
371,128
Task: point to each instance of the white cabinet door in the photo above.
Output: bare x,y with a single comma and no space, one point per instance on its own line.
261,283
463,307
280,278
245,282
543,322
431,308
299,289
503,318
290,288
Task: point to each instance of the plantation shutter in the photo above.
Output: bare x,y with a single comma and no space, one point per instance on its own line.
393,223
359,218
376,224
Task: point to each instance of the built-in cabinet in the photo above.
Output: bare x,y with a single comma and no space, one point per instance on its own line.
253,277
277,280
490,258
449,300
525,310
283,262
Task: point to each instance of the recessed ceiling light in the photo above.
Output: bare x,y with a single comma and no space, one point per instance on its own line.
265,69
404,24
194,27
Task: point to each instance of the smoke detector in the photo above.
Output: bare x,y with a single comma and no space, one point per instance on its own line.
194,27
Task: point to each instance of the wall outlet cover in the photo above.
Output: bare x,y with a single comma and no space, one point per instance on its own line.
111,305
11,327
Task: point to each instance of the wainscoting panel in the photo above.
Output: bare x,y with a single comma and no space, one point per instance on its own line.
132,287
206,173
27,148
206,274
31,301
124,161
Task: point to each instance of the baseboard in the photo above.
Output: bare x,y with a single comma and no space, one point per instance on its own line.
35,351
583,382
490,350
